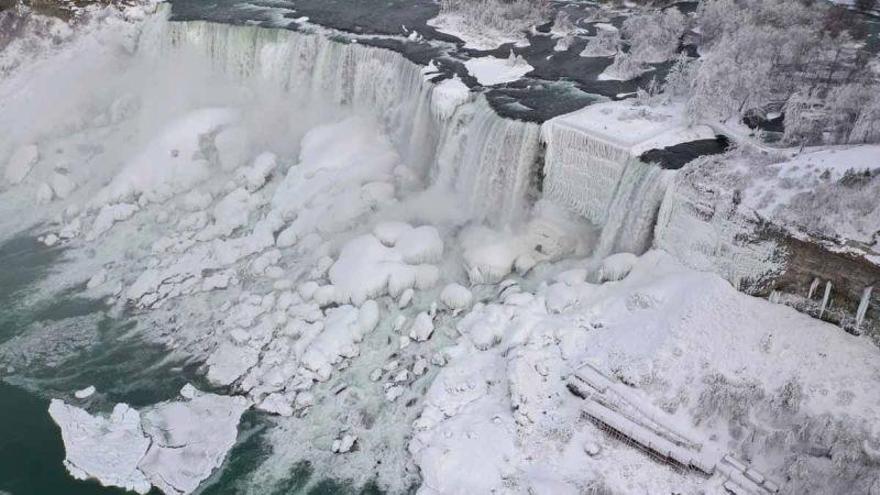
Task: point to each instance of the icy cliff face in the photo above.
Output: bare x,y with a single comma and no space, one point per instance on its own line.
703,227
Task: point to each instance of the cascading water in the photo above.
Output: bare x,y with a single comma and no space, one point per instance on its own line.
488,161
605,184
581,172
484,159
633,211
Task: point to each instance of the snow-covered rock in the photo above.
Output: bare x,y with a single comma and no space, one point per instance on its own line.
456,296
422,327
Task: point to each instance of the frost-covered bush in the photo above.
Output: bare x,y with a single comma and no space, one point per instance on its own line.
680,78
503,15
654,36
625,67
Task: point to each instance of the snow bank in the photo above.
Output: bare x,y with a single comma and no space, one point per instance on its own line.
490,71
190,439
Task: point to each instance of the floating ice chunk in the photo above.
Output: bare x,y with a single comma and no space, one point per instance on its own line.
488,258
50,240
85,393
490,71
107,449
420,367
344,445
190,439
421,328
456,296
21,162
344,327
394,392
229,362
617,266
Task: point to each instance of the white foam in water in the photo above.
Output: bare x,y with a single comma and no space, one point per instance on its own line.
355,252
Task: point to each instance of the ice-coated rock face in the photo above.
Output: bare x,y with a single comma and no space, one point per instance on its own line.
173,446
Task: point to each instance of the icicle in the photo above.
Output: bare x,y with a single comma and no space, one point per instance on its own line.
863,307
581,172
825,298
774,297
813,287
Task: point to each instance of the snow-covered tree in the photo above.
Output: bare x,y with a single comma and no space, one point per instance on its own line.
654,36
502,15
680,78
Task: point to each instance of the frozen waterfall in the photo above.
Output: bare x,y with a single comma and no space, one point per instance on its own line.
485,160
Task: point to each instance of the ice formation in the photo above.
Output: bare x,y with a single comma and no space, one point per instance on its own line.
355,250
173,446
107,449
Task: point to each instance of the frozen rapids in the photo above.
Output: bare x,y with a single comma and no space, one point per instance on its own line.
342,274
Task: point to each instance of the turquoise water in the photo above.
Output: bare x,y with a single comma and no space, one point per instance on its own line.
121,367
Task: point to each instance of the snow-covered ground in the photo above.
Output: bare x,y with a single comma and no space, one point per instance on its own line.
264,206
